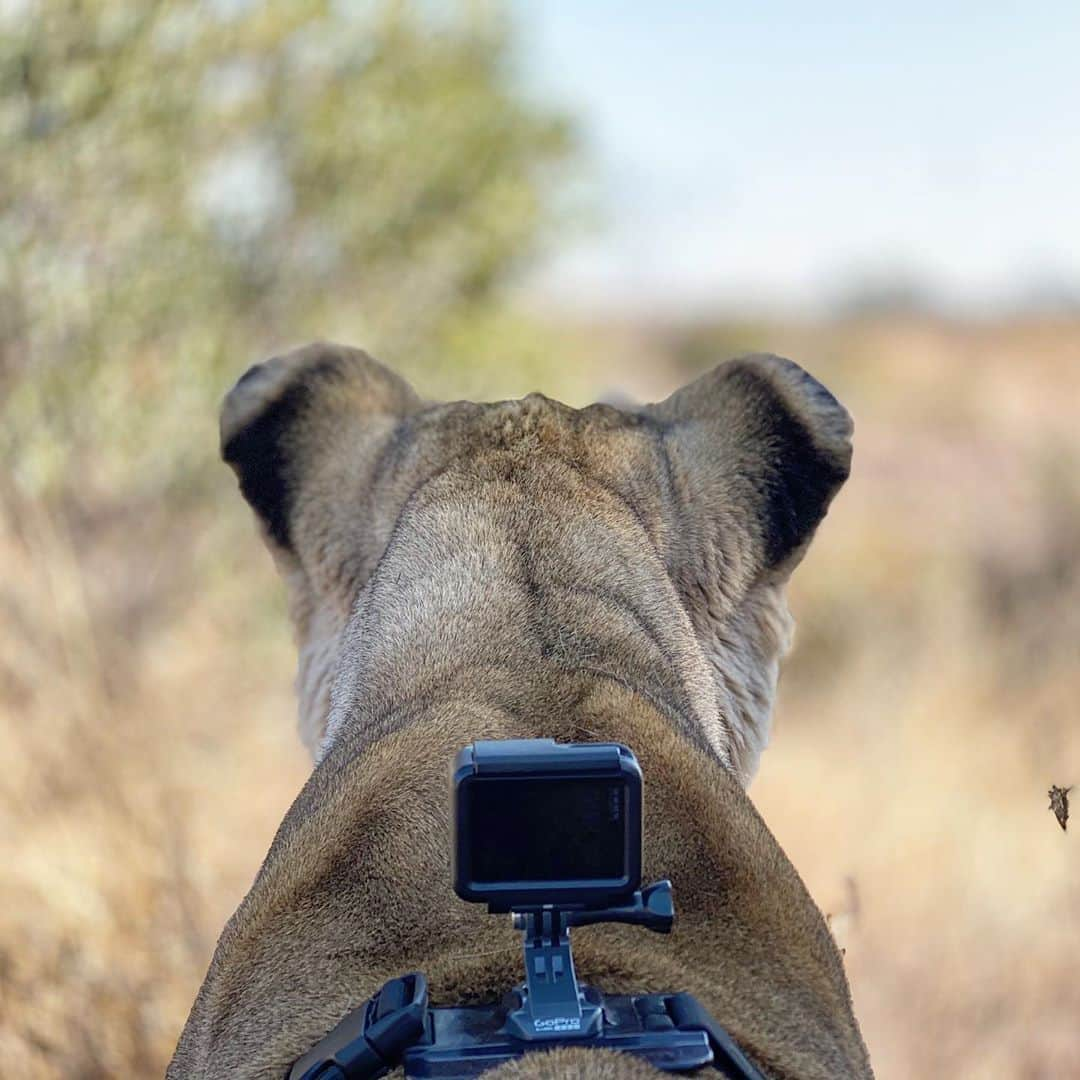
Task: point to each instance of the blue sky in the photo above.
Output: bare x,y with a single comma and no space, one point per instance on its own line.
776,155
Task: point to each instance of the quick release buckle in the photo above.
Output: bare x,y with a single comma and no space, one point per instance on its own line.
370,1041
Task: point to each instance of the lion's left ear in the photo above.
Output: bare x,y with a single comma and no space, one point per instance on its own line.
755,450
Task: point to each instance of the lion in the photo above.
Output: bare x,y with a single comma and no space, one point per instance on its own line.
524,569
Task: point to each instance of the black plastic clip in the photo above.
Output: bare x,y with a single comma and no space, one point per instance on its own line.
370,1041
690,1015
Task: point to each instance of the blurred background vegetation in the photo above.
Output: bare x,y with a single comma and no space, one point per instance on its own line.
187,187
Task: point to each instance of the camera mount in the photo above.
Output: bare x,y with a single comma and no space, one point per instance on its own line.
552,1005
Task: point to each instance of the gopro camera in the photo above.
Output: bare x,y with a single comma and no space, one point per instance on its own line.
543,823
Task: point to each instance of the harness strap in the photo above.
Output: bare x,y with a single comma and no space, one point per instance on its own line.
372,1039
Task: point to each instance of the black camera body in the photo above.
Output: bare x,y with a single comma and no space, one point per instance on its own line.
552,833
539,823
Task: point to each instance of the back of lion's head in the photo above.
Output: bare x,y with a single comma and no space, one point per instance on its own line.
724,484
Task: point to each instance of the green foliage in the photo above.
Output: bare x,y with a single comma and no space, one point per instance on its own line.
187,186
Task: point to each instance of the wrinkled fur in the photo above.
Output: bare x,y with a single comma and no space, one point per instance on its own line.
524,569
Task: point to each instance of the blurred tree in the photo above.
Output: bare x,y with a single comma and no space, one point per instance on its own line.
188,185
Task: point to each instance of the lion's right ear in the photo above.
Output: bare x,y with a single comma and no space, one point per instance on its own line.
303,432
319,441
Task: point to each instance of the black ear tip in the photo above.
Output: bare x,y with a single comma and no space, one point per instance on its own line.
262,385
816,450
828,422
249,395
261,407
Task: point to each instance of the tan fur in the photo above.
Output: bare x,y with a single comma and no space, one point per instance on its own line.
523,569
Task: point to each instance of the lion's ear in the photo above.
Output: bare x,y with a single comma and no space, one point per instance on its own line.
754,451
305,429
757,449
319,441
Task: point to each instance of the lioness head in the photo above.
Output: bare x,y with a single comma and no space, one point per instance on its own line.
521,569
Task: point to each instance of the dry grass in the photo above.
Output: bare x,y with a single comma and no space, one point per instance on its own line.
148,752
